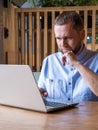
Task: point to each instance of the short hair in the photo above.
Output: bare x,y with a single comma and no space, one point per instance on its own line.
70,16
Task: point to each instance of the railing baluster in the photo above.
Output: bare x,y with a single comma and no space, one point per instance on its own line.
33,41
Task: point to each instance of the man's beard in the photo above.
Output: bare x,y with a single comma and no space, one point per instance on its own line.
75,51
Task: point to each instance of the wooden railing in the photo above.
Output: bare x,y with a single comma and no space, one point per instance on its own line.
31,35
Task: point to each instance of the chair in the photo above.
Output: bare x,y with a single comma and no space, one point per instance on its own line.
36,75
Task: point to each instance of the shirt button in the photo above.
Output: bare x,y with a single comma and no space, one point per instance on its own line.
69,83
69,98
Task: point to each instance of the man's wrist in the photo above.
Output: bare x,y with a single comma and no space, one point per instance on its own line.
77,64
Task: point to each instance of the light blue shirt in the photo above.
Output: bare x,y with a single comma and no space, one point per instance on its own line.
65,82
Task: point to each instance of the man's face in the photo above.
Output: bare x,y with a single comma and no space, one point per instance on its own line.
67,38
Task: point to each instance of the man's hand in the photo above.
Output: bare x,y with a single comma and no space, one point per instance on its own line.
43,92
71,57
63,60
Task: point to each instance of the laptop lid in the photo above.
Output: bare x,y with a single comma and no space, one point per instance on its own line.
18,88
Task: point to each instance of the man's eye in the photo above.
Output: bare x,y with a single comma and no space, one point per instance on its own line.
58,38
67,38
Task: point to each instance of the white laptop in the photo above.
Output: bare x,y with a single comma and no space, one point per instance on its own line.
18,88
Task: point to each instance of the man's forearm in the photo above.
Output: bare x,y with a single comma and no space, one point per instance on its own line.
89,76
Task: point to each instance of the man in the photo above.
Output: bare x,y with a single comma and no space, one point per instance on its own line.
71,73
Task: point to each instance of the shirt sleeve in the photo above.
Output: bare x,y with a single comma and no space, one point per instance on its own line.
41,81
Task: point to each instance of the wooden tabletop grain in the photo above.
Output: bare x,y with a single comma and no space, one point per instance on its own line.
83,117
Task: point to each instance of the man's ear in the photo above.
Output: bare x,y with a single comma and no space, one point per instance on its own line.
82,34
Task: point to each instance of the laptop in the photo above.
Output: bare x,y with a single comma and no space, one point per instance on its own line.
18,88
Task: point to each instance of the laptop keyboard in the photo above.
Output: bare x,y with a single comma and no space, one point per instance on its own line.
53,104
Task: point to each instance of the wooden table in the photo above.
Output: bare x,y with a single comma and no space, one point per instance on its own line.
84,117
